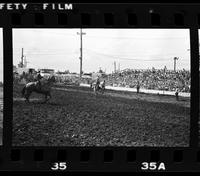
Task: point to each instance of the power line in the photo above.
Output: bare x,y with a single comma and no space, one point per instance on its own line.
143,54
46,32
139,38
39,49
124,58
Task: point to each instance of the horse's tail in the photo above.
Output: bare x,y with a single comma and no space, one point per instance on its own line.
23,90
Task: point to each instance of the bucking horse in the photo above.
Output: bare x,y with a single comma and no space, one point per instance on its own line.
43,88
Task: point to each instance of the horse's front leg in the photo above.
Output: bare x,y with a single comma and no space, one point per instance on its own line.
46,97
95,91
49,95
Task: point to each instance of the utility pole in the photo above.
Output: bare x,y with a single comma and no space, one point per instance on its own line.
22,57
81,51
175,59
119,67
114,67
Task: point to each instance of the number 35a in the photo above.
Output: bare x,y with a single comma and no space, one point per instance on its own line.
59,166
153,166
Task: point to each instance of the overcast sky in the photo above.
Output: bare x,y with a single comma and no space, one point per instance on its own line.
1,55
59,49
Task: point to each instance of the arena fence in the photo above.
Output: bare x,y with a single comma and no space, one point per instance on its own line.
150,91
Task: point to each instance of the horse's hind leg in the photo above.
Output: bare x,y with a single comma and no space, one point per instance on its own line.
27,100
46,96
27,95
49,94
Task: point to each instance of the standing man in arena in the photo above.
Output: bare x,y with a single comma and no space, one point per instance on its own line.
39,77
176,94
138,87
97,82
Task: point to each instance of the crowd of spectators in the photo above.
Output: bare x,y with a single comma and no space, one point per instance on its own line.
157,79
29,77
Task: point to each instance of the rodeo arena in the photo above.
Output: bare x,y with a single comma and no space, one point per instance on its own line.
128,107
132,108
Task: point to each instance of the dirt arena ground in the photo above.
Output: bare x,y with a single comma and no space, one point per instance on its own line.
76,117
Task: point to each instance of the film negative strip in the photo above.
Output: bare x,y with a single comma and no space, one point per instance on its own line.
99,87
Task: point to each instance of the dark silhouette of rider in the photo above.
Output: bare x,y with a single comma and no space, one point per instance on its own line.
39,77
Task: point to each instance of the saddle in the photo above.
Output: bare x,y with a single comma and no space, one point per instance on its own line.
38,84
43,85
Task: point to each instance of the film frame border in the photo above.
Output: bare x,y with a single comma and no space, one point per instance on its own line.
102,158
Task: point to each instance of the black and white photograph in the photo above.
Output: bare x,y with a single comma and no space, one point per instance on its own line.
101,87
1,86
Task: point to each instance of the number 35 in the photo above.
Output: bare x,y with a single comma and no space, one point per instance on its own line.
59,166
